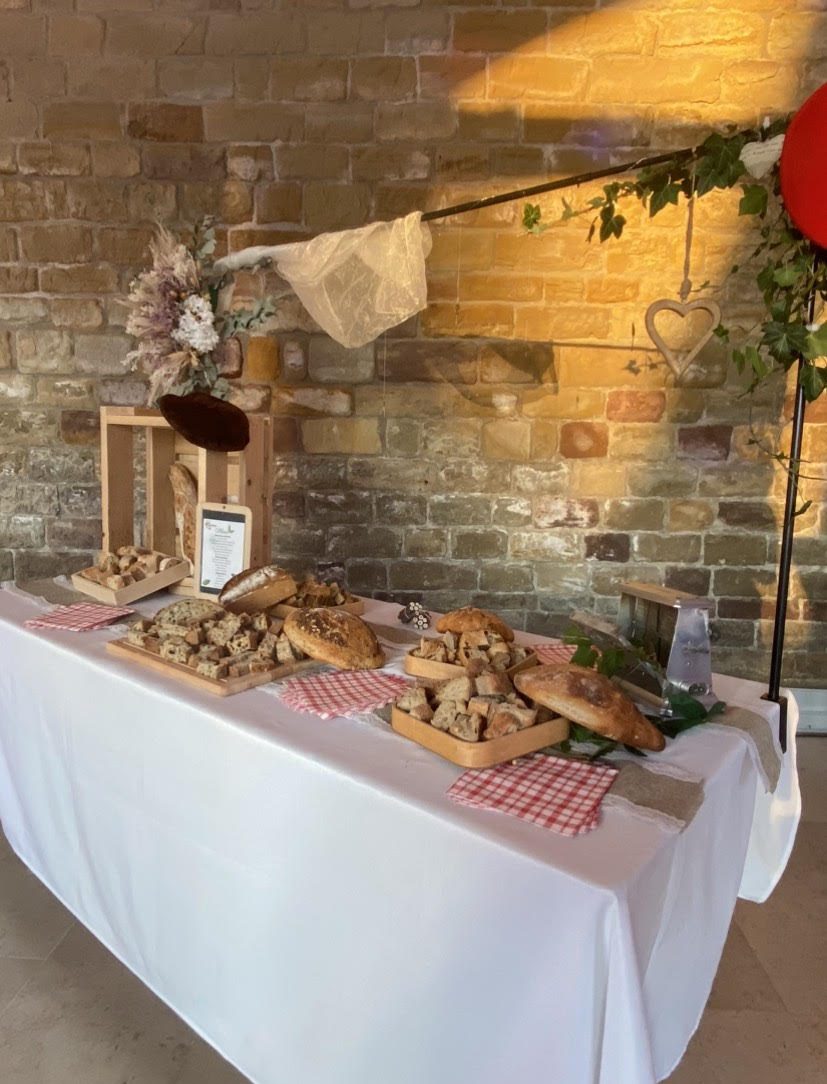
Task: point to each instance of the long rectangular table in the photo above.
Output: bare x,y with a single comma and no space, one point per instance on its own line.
303,893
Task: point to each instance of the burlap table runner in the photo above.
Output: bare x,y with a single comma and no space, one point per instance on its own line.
758,734
656,793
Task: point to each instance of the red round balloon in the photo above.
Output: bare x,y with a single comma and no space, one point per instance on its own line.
804,168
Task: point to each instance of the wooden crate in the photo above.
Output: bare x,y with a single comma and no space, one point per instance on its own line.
227,477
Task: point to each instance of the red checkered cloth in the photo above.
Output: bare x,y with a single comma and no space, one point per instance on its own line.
342,692
563,795
79,617
555,652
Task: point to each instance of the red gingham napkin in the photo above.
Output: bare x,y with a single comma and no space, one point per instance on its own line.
556,652
79,617
344,691
563,795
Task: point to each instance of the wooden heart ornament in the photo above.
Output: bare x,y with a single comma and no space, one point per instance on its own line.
680,362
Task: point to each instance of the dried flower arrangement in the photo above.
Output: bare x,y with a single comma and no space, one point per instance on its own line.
174,316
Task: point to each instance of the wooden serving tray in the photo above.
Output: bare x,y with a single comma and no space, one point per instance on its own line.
122,649
481,754
356,607
430,672
124,595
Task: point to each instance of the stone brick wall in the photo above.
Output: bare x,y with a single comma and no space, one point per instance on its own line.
520,444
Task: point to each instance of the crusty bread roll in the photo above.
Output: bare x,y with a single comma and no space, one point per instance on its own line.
470,619
592,700
334,636
256,589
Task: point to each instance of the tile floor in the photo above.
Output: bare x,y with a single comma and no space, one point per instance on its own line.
71,1014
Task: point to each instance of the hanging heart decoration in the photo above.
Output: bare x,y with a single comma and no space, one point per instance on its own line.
680,362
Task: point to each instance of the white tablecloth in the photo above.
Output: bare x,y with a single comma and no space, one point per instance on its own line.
306,897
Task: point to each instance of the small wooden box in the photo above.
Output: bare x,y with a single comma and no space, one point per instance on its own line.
228,477
134,591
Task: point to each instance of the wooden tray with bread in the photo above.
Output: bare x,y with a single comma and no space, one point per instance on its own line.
470,637
476,722
480,754
353,605
227,686
430,670
205,646
129,574
311,593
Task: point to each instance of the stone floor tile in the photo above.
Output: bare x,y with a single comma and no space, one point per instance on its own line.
787,934
742,982
32,921
14,974
84,1017
757,1048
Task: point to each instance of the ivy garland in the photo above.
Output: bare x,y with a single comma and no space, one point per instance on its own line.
789,275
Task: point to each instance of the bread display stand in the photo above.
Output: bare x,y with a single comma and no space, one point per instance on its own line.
225,477
480,754
430,672
134,591
122,649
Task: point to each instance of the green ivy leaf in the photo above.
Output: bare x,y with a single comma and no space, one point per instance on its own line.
719,162
663,196
813,381
754,200
785,276
816,344
532,215
785,341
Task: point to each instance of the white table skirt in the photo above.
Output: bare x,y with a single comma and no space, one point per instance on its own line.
306,897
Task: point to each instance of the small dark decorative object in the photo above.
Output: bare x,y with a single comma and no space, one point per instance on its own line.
207,422
415,614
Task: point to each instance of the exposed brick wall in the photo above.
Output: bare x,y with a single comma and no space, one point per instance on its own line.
523,447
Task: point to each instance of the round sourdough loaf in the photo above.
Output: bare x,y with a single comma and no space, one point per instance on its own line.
592,700
470,619
334,636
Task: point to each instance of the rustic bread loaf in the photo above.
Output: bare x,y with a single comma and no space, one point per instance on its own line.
255,589
592,700
187,610
334,636
471,619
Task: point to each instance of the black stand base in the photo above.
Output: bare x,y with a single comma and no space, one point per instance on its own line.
781,701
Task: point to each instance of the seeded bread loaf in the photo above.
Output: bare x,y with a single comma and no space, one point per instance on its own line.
335,637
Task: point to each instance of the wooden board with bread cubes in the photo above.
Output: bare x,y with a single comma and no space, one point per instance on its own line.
482,700
237,643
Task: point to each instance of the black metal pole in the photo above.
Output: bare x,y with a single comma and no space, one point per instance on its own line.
787,538
563,182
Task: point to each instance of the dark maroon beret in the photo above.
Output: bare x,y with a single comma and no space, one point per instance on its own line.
207,422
